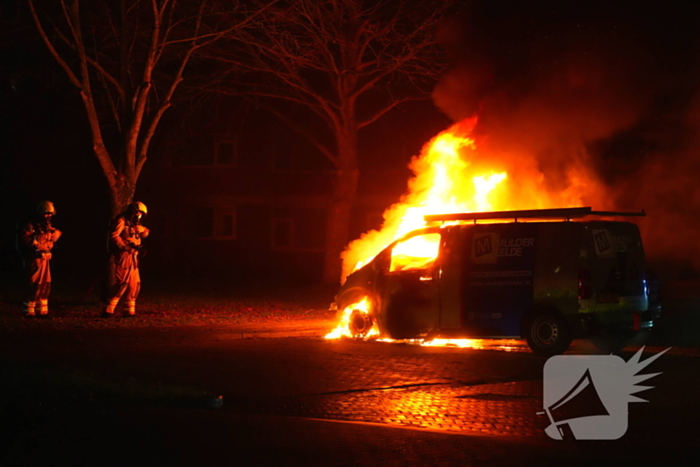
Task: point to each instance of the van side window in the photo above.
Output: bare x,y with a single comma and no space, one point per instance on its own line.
415,253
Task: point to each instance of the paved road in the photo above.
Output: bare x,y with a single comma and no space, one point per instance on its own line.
110,397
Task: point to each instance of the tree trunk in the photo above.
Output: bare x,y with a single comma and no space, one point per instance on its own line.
340,207
121,194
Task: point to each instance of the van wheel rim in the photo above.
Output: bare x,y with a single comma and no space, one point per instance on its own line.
545,331
360,323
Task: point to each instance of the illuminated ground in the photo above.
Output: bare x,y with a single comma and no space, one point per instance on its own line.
141,391
294,373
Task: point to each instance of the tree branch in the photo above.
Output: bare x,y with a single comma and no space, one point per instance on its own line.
52,50
302,131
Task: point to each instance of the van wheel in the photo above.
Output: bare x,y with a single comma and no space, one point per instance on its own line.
360,323
547,334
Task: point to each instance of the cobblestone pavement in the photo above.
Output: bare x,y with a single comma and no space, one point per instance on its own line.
446,390
284,388
459,391
506,409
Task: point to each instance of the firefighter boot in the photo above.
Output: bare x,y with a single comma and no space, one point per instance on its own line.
28,309
111,306
44,309
130,308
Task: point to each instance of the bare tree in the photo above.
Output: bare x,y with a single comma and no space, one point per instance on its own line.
127,59
344,63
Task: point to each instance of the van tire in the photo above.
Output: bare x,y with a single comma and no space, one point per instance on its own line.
360,323
547,333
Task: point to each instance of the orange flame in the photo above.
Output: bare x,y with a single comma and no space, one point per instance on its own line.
440,186
450,176
343,327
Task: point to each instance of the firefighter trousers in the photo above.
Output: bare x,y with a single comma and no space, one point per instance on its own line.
124,278
37,285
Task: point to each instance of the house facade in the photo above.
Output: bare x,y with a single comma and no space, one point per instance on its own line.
225,210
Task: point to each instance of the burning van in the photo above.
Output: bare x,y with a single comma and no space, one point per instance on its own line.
548,276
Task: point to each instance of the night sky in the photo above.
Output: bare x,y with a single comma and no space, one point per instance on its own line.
618,79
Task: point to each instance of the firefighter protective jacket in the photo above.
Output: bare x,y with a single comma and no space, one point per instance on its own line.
38,239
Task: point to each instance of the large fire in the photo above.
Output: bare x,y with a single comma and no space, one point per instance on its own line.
452,176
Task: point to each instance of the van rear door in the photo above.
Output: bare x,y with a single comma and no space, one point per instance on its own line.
617,272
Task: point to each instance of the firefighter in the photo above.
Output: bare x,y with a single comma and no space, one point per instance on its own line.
125,247
38,237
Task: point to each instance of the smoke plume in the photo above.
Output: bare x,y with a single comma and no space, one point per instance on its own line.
593,98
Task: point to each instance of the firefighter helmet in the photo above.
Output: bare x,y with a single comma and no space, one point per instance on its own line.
45,207
138,206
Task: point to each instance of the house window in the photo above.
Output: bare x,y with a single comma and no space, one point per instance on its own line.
210,222
298,228
225,222
207,151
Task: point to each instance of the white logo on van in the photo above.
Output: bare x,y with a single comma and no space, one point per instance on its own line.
621,243
586,397
607,245
488,247
514,246
603,243
485,248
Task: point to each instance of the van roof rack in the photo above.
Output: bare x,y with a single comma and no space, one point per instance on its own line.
562,213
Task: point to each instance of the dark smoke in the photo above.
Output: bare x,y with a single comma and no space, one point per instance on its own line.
613,85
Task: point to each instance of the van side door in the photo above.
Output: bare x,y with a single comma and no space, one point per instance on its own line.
499,264
407,289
